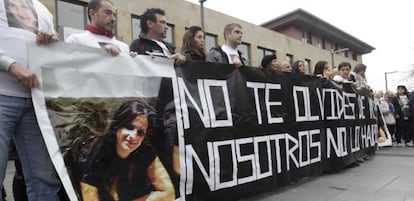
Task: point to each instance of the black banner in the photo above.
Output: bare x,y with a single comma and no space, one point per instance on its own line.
122,128
249,130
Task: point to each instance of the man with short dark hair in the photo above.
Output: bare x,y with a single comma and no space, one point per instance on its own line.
228,53
99,33
153,30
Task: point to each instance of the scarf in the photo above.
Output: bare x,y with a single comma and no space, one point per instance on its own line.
99,31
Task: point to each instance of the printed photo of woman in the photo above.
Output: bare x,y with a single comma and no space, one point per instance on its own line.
122,164
20,14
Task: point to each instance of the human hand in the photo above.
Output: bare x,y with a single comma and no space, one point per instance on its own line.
113,50
237,63
44,38
133,54
179,58
24,75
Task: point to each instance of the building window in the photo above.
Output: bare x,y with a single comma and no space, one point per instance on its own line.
289,58
170,34
210,41
244,48
346,54
71,17
74,15
328,45
335,46
261,52
136,29
307,66
321,42
354,56
136,26
306,37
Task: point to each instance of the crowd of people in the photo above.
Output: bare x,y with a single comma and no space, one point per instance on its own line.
18,121
397,115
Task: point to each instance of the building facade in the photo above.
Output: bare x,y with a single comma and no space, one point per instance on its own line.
305,27
71,16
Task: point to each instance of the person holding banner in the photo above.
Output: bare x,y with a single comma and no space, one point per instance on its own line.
388,112
270,62
193,44
322,70
23,19
298,67
228,53
99,33
285,67
123,164
151,39
357,76
386,120
344,69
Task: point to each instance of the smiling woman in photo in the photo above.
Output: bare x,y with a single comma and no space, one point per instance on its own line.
123,164
20,14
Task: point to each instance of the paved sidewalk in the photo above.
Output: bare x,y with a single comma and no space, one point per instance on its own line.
8,181
387,176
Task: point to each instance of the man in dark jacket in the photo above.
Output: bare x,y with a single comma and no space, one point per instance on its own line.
228,53
153,31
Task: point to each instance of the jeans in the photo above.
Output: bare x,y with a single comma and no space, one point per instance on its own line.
18,122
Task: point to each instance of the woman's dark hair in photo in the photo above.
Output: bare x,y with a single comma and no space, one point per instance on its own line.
103,157
127,112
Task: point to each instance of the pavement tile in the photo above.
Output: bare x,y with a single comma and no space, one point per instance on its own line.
387,176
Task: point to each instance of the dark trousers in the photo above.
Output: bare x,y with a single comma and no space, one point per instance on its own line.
19,187
3,194
391,129
403,130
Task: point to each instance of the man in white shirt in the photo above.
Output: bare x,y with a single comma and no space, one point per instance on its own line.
228,53
99,33
22,19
